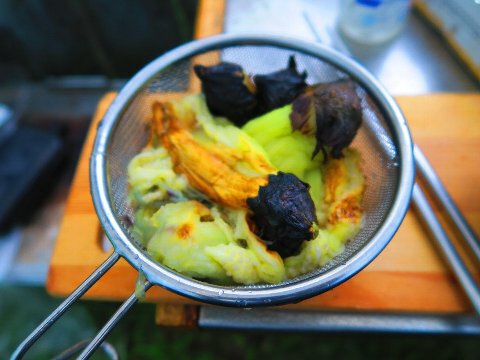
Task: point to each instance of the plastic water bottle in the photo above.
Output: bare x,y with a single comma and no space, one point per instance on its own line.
373,21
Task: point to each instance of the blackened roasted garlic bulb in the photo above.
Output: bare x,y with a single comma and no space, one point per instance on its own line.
229,91
332,112
284,213
281,87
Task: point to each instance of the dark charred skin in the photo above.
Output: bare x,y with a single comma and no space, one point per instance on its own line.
284,214
332,112
279,88
229,91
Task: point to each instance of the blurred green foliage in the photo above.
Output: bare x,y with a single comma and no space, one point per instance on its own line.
137,337
114,38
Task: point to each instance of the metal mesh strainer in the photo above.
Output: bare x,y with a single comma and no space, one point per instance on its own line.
383,141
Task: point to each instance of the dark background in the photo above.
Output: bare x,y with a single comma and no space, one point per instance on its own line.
115,38
136,337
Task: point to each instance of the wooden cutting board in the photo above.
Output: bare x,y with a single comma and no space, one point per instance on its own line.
408,275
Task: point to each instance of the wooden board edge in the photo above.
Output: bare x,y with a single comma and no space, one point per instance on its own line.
210,18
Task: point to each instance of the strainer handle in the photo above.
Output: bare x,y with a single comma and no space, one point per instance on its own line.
108,350
64,306
102,334
460,270
440,192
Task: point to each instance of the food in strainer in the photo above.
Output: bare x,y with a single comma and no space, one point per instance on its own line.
330,111
230,92
247,205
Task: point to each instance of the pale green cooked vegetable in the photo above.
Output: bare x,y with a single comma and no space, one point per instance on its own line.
184,231
216,243
237,262
143,228
346,182
287,150
152,178
290,151
329,243
196,241
257,264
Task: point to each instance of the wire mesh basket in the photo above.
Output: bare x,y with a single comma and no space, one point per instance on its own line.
383,141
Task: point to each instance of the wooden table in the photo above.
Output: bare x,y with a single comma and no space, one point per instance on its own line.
409,275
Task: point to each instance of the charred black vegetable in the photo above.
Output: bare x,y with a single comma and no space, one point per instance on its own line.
284,213
332,112
279,88
229,91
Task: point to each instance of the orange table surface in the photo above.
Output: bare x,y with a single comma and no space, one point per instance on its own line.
409,275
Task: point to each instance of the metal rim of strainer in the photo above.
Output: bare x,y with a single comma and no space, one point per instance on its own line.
245,296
